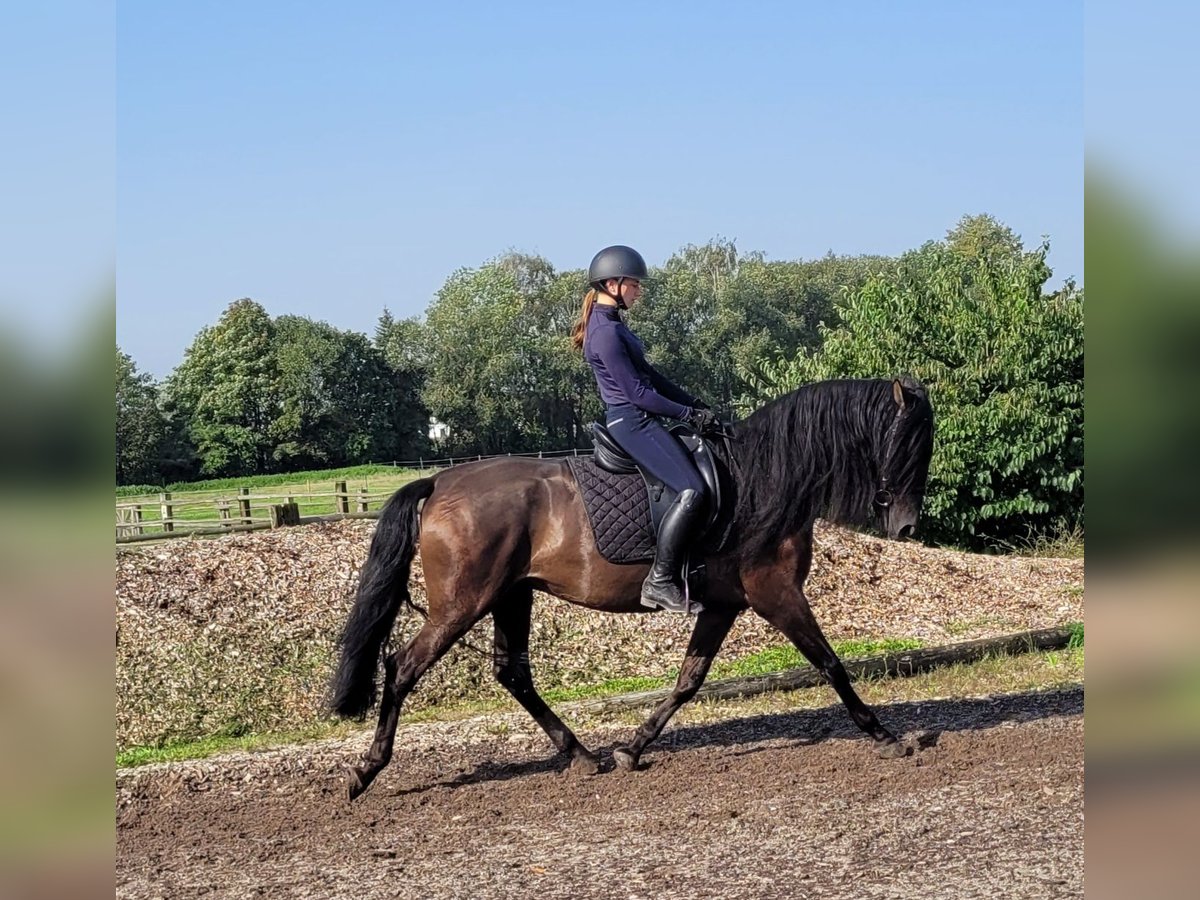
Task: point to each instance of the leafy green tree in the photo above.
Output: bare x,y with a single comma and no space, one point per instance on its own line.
1003,360
227,390
691,318
404,344
566,399
983,237
501,372
711,312
141,426
336,394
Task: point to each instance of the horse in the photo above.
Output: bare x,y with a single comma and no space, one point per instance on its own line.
853,452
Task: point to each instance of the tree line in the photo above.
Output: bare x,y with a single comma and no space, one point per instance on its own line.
491,359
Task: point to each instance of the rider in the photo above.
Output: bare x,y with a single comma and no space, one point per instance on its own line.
635,394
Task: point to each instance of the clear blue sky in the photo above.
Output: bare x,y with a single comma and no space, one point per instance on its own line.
331,160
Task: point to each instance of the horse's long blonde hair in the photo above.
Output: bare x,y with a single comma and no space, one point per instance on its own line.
579,332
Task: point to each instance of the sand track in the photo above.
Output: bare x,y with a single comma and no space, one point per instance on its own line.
784,805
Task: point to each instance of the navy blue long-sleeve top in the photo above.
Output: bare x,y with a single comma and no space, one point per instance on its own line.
623,375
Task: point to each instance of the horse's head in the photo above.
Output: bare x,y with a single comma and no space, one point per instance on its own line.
904,460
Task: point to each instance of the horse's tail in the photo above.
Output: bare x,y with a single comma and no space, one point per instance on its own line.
382,589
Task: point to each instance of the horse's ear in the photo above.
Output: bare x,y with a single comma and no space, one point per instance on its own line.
898,392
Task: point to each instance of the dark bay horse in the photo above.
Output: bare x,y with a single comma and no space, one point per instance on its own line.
853,452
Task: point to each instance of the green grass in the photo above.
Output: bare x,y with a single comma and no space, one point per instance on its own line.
609,688
197,501
784,657
1076,641
210,746
1058,545
997,671
773,659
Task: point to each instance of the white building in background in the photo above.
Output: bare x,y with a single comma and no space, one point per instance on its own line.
438,431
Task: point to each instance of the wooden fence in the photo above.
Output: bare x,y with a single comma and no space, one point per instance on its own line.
220,512
182,514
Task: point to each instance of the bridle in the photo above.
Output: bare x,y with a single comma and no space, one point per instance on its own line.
883,496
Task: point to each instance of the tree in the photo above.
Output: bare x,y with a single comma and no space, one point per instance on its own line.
982,237
501,372
1003,361
404,344
141,426
227,390
336,397
712,312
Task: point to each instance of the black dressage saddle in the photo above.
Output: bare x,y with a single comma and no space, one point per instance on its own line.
609,456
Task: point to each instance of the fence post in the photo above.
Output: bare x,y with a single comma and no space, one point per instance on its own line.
244,505
340,497
166,511
421,465
362,499
285,514
223,506
137,519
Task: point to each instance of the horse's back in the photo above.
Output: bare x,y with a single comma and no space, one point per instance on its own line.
521,520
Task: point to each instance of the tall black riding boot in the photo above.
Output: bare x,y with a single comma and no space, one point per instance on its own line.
663,587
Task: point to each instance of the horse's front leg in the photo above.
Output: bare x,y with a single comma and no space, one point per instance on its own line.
711,627
775,591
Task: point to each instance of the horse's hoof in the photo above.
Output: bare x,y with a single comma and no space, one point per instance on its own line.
354,786
895,750
585,764
625,759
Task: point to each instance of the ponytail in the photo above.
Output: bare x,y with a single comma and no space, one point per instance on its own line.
579,332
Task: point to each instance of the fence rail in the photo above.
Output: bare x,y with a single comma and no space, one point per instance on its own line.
171,514
179,514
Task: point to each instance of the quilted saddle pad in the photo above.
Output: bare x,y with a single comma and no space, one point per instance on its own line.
618,510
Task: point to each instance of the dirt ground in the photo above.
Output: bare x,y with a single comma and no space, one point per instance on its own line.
794,804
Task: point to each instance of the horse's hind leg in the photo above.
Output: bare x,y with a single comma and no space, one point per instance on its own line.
402,669
711,627
511,666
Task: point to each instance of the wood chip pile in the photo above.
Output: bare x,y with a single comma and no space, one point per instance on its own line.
237,634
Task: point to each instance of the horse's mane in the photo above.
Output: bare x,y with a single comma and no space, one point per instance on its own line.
818,451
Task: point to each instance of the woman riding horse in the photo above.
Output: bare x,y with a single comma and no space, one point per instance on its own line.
492,532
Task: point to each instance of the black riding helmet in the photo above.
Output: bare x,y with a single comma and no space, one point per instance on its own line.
617,261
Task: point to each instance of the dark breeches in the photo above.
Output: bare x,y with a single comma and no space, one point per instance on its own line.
645,439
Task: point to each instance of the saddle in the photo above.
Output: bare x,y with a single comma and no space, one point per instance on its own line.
609,456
